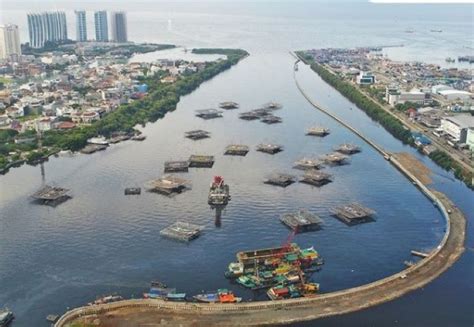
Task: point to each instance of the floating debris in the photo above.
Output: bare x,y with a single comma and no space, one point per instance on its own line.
348,148
201,161
316,177
91,148
249,115
336,158
50,195
133,191
197,134
271,119
236,150
168,184
272,105
269,148
301,220
280,179
318,131
176,166
182,231
228,105
353,213
208,113
219,193
308,163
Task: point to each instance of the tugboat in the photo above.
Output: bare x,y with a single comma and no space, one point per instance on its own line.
218,192
6,316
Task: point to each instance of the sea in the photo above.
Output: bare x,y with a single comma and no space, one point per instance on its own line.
101,242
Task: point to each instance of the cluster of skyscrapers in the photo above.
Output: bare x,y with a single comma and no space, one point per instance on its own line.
51,26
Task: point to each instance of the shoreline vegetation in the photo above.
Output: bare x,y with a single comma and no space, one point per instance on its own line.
390,123
161,98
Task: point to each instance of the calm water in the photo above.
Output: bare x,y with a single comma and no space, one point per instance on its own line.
101,242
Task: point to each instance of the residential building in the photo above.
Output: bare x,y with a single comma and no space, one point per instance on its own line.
101,27
9,42
48,26
118,25
456,127
81,26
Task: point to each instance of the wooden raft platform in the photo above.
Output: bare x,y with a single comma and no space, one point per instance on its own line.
176,166
236,150
316,178
301,220
353,213
50,195
280,179
182,231
168,184
201,161
197,134
269,148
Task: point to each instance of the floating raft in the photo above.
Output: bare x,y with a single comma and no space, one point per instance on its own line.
197,134
236,150
272,105
201,161
308,163
280,179
168,184
133,191
353,213
249,115
269,148
316,177
228,105
50,195
335,158
176,166
182,231
271,119
318,131
301,220
348,148
208,113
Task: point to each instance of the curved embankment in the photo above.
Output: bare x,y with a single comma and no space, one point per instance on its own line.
159,312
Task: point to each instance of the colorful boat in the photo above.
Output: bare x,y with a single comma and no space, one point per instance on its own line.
207,298
218,192
234,270
226,296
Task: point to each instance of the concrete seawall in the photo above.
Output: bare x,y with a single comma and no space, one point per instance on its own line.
157,312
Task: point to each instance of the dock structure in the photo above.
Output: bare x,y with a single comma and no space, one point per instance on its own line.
335,158
51,195
176,166
208,113
168,184
228,105
201,161
236,150
347,148
308,163
353,213
133,191
280,179
271,119
272,105
182,231
302,220
249,115
316,177
318,131
197,134
269,148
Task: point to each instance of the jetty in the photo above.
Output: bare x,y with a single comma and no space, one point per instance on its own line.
308,163
347,148
208,113
201,161
318,131
197,134
228,105
301,220
133,191
353,213
168,184
271,119
182,231
316,178
236,150
280,179
335,158
269,148
176,166
51,195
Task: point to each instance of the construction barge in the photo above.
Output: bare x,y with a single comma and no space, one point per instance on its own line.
197,134
201,161
50,195
219,192
316,178
176,166
336,158
208,113
302,220
229,105
353,213
236,150
280,179
318,131
347,148
269,148
168,184
308,163
182,231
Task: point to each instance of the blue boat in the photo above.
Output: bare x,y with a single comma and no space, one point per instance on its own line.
176,296
207,298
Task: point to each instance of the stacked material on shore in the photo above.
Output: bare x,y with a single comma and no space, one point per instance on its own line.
228,105
176,166
182,231
197,134
347,148
236,150
168,184
201,161
280,179
208,113
308,163
335,158
269,148
301,220
318,131
316,177
353,213
51,195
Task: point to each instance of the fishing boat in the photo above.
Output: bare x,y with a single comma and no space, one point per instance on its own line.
6,316
207,298
218,192
176,296
234,270
227,296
